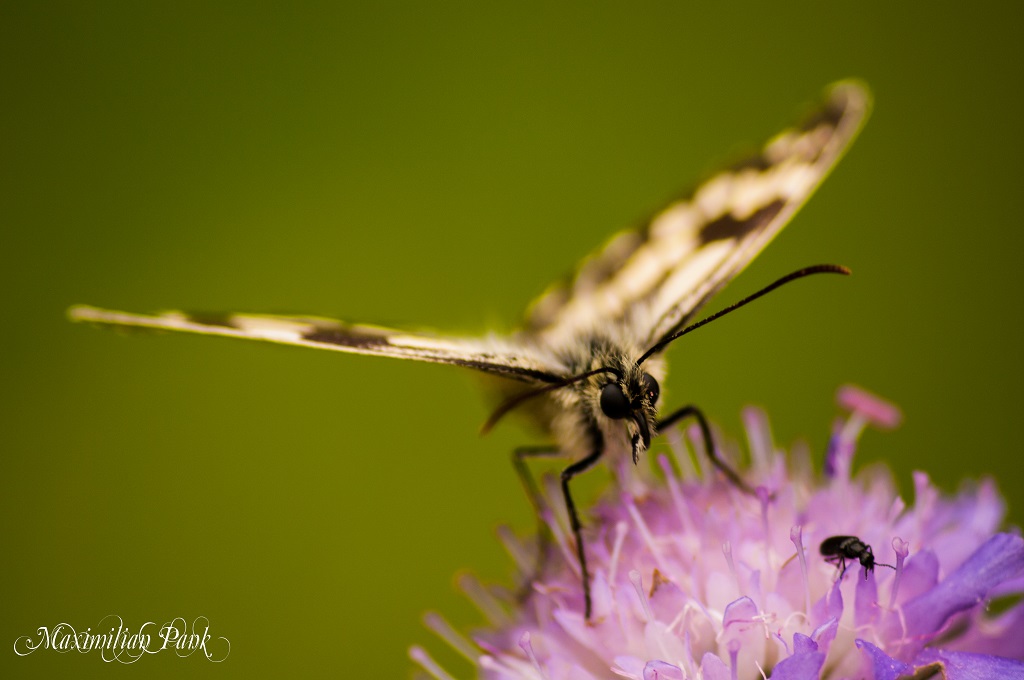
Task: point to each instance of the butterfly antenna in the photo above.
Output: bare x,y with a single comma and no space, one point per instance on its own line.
808,271
518,399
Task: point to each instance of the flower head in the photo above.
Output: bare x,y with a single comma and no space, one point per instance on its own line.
693,578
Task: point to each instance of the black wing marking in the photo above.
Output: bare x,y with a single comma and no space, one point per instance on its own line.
655,278
493,356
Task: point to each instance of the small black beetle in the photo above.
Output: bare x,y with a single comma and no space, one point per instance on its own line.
838,549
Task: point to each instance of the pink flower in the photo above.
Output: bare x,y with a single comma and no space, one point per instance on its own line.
695,579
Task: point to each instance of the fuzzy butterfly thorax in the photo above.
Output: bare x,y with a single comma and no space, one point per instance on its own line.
571,414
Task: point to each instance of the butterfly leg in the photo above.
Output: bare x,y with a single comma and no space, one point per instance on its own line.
574,519
709,444
519,458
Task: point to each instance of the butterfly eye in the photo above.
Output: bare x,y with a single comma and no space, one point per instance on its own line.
614,402
651,387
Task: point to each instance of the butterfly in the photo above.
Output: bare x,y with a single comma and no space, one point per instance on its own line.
588,359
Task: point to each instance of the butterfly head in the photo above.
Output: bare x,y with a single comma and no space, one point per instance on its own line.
633,398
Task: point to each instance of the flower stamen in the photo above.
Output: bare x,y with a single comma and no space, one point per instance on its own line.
796,534
440,627
483,599
427,663
902,549
527,646
638,586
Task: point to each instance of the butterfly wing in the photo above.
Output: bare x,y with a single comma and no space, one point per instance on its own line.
490,355
655,278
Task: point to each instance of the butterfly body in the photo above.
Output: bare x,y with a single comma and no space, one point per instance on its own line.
588,364
568,414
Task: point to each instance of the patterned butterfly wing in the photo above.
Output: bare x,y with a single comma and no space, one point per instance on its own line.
654,279
490,355
651,280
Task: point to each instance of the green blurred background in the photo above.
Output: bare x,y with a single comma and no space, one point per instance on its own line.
437,166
